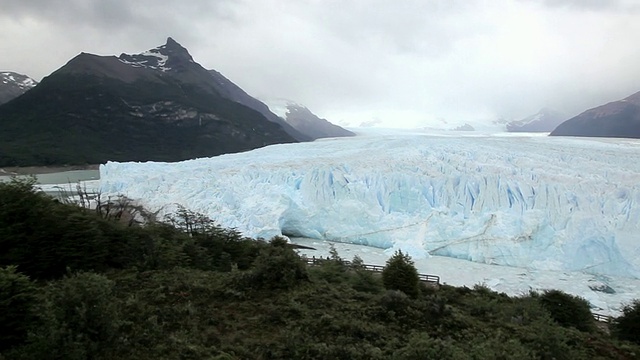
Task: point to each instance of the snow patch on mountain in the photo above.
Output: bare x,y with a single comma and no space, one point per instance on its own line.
152,59
21,81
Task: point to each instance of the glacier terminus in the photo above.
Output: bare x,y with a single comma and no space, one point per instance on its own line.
522,200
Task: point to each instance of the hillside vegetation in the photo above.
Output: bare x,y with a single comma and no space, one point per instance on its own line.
85,284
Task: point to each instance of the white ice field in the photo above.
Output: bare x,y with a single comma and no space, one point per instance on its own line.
512,211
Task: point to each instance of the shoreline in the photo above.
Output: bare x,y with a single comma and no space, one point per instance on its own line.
39,170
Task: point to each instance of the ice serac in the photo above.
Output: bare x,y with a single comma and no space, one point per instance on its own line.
537,202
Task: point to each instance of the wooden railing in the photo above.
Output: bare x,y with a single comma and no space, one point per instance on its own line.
602,318
433,279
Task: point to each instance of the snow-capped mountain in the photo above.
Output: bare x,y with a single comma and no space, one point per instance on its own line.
615,119
13,85
156,105
303,120
544,121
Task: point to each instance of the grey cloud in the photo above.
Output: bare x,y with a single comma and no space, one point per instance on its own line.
140,18
359,60
591,5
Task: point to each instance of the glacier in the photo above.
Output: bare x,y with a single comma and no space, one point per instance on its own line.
521,200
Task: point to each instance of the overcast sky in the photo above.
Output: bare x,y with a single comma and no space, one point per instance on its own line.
402,63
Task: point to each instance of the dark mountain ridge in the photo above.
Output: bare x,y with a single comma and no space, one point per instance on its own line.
619,119
544,121
231,91
159,105
308,123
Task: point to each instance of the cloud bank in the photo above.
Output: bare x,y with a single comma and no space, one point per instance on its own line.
408,64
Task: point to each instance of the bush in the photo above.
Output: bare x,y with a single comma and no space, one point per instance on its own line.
278,267
362,279
17,307
423,347
401,274
568,310
80,317
627,326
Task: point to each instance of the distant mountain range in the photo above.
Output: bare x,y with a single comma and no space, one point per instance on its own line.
616,119
157,105
13,85
544,121
308,123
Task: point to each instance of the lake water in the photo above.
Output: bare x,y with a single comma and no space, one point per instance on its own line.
64,177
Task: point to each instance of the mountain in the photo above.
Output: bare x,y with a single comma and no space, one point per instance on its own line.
303,120
13,85
544,121
157,105
616,119
465,127
233,92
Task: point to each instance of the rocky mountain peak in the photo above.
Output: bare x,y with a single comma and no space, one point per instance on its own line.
168,57
306,122
21,81
13,85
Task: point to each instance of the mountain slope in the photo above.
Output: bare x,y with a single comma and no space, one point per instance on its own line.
231,91
158,105
544,121
615,119
13,85
303,120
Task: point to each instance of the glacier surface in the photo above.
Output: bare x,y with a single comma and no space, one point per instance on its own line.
536,202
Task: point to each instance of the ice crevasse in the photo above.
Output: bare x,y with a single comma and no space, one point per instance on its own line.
528,201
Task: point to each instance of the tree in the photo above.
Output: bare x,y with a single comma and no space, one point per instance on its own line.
279,267
568,310
401,274
627,326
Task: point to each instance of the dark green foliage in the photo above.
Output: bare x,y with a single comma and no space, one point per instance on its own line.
333,269
203,292
278,267
17,307
401,274
45,238
80,319
627,325
363,280
568,310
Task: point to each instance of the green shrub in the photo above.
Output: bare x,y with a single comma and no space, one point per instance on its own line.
423,347
401,274
80,316
278,267
627,325
17,307
363,280
333,269
568,310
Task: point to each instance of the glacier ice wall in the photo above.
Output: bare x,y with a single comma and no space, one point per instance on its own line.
538,202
